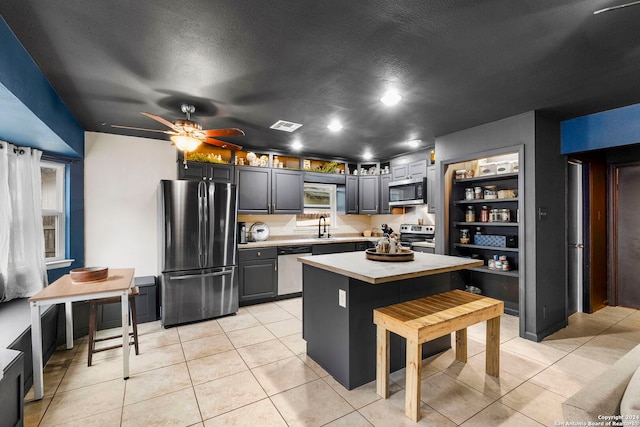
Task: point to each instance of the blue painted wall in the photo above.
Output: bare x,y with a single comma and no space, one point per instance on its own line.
33,115
607,129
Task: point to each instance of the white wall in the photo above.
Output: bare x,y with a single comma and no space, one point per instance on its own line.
121,180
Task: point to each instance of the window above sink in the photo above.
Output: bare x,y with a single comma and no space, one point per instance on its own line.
319,200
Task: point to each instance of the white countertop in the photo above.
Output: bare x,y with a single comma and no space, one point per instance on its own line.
306,241
357,266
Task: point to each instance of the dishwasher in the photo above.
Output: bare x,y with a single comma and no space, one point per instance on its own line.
290,269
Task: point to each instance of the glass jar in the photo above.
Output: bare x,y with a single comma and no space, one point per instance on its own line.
478,192
469,194
491,192
465,237
505,215
470,216
484,214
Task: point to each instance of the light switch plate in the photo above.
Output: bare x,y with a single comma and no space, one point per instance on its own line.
342,298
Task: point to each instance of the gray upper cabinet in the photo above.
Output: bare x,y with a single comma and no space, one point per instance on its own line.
254,190
206,172
351,194
384,194
287,191
369,194
431,189
416,169
267,191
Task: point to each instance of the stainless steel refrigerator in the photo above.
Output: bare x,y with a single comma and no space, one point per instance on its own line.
198,250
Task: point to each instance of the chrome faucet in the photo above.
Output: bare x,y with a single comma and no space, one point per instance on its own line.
322,219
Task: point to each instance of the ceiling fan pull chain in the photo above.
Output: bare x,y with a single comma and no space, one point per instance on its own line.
184,160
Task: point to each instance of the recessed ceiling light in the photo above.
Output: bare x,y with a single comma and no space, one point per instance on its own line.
367,155
335,126
414,143
296,145
391,97
285,126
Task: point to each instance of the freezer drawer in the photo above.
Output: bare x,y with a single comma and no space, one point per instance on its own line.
191,296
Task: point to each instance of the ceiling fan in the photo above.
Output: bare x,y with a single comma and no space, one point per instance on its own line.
187,134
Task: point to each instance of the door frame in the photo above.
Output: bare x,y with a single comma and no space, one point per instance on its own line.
583,296
596,180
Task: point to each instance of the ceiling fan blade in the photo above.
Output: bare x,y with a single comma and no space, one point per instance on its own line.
143,129
160,120
224,132
223,144
607,9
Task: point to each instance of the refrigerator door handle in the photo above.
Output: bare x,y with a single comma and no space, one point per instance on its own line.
201,196
195,276
205,223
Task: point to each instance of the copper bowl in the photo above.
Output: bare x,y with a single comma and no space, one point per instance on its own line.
89,274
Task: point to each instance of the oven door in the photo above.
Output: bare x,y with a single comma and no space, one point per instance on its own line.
407,192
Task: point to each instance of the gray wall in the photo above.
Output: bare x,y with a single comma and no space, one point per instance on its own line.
543,283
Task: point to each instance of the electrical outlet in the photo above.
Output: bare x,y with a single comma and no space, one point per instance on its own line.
342,298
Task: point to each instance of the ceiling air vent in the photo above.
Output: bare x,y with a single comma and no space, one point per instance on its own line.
285,126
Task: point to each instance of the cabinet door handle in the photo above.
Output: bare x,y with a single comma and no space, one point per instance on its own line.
275,266
259,253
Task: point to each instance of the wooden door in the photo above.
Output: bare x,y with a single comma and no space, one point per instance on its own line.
596,218
626,225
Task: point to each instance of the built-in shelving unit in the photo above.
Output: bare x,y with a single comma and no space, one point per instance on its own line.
495,283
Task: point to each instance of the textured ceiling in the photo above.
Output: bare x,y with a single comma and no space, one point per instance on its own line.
247,64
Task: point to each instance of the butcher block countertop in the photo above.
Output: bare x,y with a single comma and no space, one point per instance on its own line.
357,266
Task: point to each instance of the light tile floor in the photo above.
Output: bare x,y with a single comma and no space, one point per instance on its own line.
251,370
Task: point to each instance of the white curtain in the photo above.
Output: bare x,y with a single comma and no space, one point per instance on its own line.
22,266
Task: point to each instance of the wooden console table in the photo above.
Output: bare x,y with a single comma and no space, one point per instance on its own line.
425,319
63,290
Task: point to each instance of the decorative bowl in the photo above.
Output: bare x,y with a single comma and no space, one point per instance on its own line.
89,274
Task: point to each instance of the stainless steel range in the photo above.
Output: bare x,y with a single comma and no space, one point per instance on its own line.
420,238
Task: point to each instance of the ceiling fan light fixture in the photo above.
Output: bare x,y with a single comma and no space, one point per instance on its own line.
185,142
391,97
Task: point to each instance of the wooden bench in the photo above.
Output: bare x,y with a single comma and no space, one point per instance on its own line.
425,319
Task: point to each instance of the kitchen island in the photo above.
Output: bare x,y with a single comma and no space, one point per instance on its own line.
339,294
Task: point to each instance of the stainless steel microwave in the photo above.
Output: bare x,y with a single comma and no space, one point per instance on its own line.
408,192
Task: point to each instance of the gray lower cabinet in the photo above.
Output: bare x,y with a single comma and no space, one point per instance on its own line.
269,191
332,248
258,275
431,189
384,194
147,306
368,194
12,388
206,172
351,194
